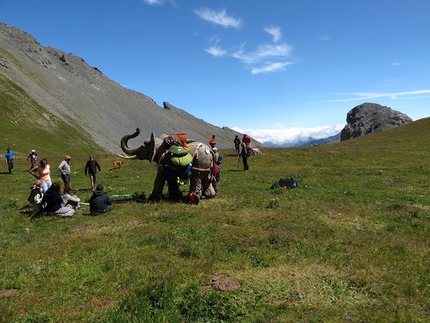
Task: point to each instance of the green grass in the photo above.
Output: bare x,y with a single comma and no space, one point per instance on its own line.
351,244
26,125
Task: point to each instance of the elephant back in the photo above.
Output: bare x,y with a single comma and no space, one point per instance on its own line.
202,155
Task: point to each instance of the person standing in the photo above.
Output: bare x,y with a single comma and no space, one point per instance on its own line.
44,174
245,155
217,170
33,158
212,142
91,170
9,157
65,170
236,142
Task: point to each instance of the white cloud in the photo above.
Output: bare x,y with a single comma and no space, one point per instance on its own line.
266,58
263,52
360,96
275,32
154,2
216,51
219,18
270,67
284,136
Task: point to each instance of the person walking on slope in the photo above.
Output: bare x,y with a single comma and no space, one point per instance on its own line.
65,170
91,170
33,158
9,157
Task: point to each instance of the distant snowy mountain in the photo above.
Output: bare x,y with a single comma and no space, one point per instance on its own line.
305,142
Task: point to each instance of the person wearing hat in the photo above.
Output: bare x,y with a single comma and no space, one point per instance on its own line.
212,141
91,170
33,158
65,170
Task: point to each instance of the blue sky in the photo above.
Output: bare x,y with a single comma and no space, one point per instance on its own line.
276,69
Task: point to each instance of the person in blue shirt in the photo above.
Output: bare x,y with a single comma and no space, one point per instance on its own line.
9,156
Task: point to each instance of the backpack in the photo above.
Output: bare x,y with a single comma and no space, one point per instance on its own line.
220,159
246,139
285,183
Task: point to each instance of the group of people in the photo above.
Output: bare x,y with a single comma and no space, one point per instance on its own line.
243,149
46,196
43,170
63,204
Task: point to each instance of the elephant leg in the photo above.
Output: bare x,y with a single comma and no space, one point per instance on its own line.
174,191
195,192
157,191
208,189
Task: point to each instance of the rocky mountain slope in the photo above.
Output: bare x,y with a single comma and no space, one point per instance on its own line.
76,93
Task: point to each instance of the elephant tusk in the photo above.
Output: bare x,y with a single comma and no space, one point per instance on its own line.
127,156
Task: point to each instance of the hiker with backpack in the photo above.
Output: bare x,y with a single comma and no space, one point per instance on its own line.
245,153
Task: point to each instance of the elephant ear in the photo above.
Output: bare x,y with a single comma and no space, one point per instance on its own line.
151,148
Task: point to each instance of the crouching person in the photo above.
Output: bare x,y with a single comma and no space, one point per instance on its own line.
36,196
71,201
54,202
100,202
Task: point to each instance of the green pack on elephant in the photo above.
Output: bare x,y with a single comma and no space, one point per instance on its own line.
195,161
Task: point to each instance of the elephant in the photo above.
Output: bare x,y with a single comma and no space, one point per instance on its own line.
199,169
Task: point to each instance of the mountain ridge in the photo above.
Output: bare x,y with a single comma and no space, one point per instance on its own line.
71,90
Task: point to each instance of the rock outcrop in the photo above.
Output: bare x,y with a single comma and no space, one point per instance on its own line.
369,118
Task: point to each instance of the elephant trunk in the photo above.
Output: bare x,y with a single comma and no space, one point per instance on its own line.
124,143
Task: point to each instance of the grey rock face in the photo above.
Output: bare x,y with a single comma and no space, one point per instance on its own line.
369,118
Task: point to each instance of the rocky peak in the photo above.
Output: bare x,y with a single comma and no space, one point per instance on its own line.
369,118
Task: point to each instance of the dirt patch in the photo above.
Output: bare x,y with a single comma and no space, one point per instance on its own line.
224,283
8,293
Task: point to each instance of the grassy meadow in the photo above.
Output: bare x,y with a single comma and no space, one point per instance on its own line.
351,244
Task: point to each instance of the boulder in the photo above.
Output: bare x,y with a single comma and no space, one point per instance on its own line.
369,118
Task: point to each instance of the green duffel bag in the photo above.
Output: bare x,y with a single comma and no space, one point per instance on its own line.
179,157
178,151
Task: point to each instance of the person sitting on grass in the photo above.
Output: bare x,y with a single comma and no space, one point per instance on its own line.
70,200
54,202
100,202
36,196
